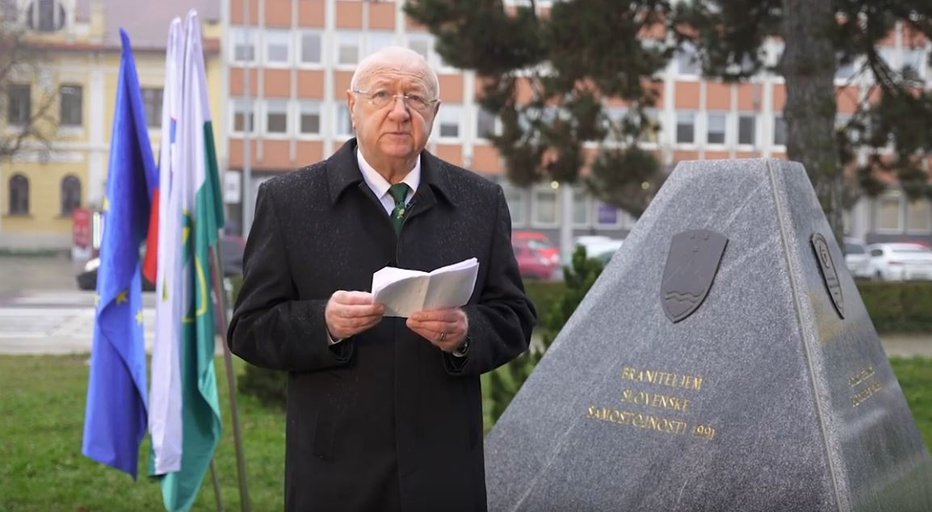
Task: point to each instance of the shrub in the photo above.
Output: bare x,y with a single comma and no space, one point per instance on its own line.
501,385
899,307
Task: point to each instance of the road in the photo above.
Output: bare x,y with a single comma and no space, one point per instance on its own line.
43,312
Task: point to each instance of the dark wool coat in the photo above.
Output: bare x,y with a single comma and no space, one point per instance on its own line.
383,420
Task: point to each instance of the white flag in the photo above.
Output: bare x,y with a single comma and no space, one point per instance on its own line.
194,216
165,392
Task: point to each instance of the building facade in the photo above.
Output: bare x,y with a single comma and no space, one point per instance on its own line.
290,63
278,71
75,81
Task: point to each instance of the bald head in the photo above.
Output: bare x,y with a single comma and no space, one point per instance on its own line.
396,59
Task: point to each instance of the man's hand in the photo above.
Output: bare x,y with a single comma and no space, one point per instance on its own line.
445,328
350,313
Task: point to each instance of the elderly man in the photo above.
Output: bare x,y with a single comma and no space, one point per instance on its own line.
384,413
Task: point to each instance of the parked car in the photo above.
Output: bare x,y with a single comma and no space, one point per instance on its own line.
603,250
537,257
856,258
231,260
900,261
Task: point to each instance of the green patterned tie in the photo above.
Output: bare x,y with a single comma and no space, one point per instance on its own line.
399,192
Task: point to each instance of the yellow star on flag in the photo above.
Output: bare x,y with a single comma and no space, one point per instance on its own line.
139,316
122,297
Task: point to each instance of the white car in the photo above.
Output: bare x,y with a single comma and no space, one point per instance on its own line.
856,258
599,247
900,262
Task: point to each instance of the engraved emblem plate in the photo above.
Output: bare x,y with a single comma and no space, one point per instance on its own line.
829,272
691,266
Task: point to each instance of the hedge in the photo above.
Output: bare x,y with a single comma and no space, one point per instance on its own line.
893,307
900,308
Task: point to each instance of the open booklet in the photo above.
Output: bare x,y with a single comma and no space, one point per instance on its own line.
405,291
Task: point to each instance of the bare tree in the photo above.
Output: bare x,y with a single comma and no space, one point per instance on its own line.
23,117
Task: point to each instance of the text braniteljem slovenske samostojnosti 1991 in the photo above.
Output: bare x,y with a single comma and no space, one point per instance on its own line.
671,393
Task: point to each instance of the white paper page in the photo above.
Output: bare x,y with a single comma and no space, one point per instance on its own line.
467,263
389,275
451,286
405,291
401,290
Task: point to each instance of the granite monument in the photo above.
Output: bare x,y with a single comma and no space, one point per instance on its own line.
723,361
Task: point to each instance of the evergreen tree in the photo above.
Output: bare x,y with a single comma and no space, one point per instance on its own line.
586,51
582,53
820,35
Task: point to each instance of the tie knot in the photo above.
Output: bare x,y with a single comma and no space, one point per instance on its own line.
399,191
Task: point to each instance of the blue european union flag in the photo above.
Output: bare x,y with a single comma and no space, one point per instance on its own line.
116,418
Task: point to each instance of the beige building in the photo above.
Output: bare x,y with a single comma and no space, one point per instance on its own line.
77,74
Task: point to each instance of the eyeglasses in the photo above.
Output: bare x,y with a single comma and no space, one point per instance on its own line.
381,98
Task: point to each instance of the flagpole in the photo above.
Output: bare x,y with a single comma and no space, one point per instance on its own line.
220,291
216,478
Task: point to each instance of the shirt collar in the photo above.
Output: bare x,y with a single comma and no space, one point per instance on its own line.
378,184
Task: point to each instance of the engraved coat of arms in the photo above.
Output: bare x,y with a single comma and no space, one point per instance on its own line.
691,266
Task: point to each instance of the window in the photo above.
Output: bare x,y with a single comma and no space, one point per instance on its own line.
311,50
715,132
450,116
70,105
606,215
919,216
613,120
546,209
774,53
685,127
888,212
485,123
379,39
517,203
276,117
19,105
244,45
779,131
845,70
914,61
243,116
581,208
310,119
348,48
891,57
687,60
278,47
747,128
343,120
152,99
46,15
19,195
421,44
70,195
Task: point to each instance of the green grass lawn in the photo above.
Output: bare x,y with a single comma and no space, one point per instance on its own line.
42,403
915,376
41,423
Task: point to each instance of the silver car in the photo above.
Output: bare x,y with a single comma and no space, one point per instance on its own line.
857,259
900,262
